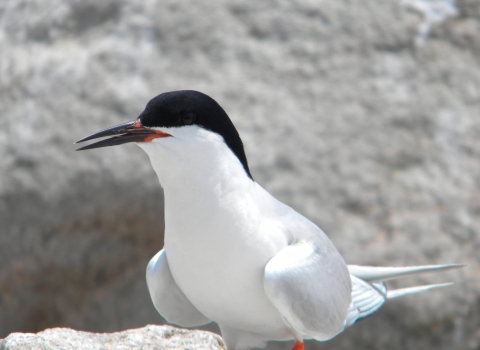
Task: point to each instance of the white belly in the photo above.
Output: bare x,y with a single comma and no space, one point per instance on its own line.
220,266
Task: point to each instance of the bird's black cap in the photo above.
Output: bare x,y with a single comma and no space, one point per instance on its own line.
187,107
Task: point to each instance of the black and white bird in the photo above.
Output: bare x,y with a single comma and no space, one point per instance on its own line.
234,254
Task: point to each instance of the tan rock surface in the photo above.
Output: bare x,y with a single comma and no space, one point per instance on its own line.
146,338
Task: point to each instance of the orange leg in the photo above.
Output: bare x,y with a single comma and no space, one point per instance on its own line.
298,345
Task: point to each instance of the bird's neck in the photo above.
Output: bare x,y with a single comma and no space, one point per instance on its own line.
206,172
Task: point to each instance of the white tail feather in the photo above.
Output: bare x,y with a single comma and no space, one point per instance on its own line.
368,295
377,274
392,294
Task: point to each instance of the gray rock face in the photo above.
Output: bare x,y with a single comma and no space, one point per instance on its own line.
342,116
146,338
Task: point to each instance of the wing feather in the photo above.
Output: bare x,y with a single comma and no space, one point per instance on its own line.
310,286
366,299
167,297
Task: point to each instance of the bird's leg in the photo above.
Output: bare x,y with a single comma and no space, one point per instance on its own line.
298,345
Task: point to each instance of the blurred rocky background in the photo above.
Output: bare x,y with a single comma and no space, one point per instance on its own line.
362,115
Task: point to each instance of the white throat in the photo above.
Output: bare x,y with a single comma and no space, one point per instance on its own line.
195,157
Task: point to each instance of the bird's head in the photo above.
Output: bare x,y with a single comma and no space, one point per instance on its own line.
178,122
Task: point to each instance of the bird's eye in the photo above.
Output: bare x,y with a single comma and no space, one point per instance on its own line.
187,118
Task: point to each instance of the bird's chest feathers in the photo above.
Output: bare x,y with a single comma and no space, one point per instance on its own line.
212,228
211,205
219,246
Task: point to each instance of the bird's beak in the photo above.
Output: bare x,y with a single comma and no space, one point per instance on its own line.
127,132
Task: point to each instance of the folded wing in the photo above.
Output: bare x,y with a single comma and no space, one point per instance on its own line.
167,297
310,286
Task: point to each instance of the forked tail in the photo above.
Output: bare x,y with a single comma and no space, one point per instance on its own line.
369,292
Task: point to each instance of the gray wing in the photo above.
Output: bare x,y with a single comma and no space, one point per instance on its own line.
309,284
366,299
167,297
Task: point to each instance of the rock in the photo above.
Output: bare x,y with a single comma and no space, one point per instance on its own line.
146,338
342,116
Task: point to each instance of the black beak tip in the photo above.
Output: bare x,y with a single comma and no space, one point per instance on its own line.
90,137
127,132
113,131
81,148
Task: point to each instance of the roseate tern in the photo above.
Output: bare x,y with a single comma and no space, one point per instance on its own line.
234,254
